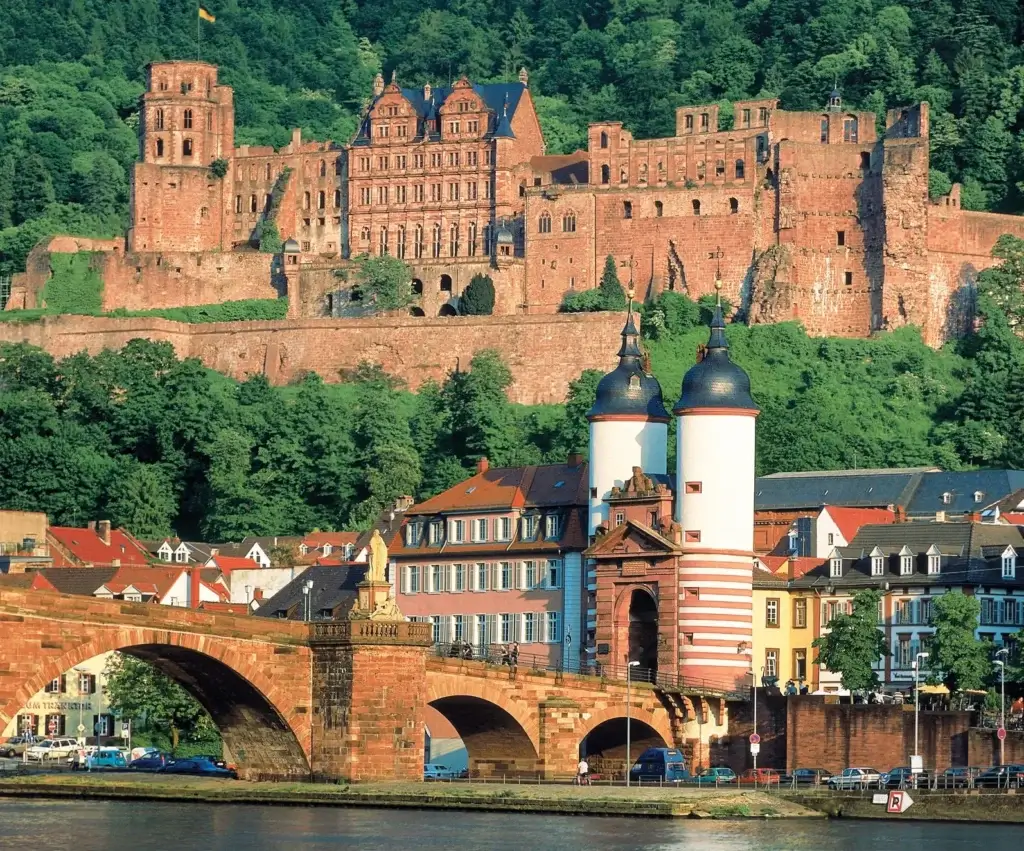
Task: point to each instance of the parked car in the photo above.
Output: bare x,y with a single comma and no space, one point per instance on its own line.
197,766
436,771
49,749
715,776
959,777
99,758
854,778
759,776
806,777
16,746
76,759
152,760
901,778
666,764
1001,777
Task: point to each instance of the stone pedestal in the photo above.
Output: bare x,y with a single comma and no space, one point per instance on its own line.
369,696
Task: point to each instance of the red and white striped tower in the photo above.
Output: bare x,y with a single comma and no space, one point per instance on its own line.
715,510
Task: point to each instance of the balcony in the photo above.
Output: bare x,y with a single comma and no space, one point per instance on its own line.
25,549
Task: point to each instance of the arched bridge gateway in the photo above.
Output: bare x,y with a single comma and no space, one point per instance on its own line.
341,699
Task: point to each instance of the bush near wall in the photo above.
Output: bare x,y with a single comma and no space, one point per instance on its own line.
74,285
246,310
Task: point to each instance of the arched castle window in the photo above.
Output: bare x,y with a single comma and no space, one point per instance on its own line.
270,172
643,173
186,147
824,129
159,147
659,209
400,243
383,244
158,119
435,244
720,168
306,201
162,84
569,223
544,222
605,174
850,129
696,207
253,204
323,168
623,175
453,241
734,205
740,169
337,198
627,209
604,139
417,246
472,239
321,199
252,172
522,188
364,235
188,119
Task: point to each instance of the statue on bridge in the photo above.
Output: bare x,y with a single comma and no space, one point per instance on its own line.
375,601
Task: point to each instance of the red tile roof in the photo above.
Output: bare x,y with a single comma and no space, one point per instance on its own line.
225,564
1014,518
849,520
511,487
149,580
791,567
335,539
86,547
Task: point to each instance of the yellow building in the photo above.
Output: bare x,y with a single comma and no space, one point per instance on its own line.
783,627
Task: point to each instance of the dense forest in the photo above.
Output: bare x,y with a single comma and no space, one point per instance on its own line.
157,444
71,72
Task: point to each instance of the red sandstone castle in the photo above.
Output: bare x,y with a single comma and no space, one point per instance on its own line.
804,215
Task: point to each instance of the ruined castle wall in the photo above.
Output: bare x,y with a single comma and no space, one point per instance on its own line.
413,349
176,207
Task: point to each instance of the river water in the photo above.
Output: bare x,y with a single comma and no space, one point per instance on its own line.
128,826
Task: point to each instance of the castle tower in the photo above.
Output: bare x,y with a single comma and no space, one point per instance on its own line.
628,425
715,510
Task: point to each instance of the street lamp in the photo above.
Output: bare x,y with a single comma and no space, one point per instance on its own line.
629,729
916,757
81,725
306,588
1002,651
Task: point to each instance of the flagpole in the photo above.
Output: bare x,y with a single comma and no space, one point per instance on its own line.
199,36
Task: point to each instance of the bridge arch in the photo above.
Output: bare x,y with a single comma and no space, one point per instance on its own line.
500,738
227,678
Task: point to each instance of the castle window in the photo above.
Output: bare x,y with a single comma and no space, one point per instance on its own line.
435,245
762,115
321,199
840,237
209,120
865,163
848,278
382,131
696,207
824,131
162,85
692,536
159,147
186,148
472,239
700,170
734,206
364,235
704,123
323,168
158,119
544,223
642,175
383,243
850,129
605,174
569,223
337,198
203,213
746,118
522,188
238,203
627,209
689,123
270,172
604,139
720,168
417,246
253,204
740,169
188,119
453,251
694,487
305,201
659,209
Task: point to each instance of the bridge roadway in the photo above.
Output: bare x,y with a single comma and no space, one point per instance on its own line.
345,700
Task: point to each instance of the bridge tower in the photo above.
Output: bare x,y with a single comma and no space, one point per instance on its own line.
715,511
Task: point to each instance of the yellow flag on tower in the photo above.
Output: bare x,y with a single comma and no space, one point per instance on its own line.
206,15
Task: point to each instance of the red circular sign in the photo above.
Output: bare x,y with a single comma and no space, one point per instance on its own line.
52,726
1001,733
755,739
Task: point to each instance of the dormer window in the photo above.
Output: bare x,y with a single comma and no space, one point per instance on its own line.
906,561
934,557
835,567
1009,562
328,549
978,496
553,527
877,562
349,550
413,533
530,527
303,549
947,498
436,533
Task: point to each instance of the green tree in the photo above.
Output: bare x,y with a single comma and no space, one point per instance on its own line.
1002,286
270,238
574,435
854,644
32,189
142,499
478,297
481,420
612,294
135,689
957,656
385,282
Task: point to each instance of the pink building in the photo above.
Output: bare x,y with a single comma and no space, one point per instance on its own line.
497,559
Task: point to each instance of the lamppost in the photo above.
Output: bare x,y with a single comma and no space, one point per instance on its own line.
1002,651
753,750
916,757
306,588
81,724
629,729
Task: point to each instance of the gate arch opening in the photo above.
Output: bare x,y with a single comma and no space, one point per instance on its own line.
447,310
495,741
605,745
643,633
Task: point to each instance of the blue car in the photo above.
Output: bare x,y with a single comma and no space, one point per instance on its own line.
197,766
665,764
149,762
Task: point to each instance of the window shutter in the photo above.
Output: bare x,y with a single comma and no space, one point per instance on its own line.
63,683
495,569
405,580
491,629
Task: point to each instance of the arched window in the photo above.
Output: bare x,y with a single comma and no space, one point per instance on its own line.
734,205
659,209
305,201
472,239
417,246
627,209
364,235
453,241
700,170
605,174
158,119
522,188
270,172
824,130
253,204
604,139
569,223
544,222
696,207
720,168
186,147
642,177
321,199
740,169
337,198
383,242
400,246
252,172
188,119
623,175
323,168
850,129
435,244
238,203
159,147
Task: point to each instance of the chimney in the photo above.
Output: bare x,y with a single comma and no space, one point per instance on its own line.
91,525
193,588
483,465
103,530
574,459
257,595
940,516
426,92
214,551
115,562
524,77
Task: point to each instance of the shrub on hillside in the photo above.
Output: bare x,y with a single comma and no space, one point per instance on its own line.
478,297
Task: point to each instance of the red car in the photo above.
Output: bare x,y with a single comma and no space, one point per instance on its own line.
760,776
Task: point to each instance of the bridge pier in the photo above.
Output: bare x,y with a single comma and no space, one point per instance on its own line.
560,723
369,696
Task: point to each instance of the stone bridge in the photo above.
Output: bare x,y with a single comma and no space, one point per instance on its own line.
341,699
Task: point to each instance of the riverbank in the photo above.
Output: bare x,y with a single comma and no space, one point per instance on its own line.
540,799
966,806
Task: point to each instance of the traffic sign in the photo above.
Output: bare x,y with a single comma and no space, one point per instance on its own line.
81,729
899,802
755,749
755,739
1001,733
